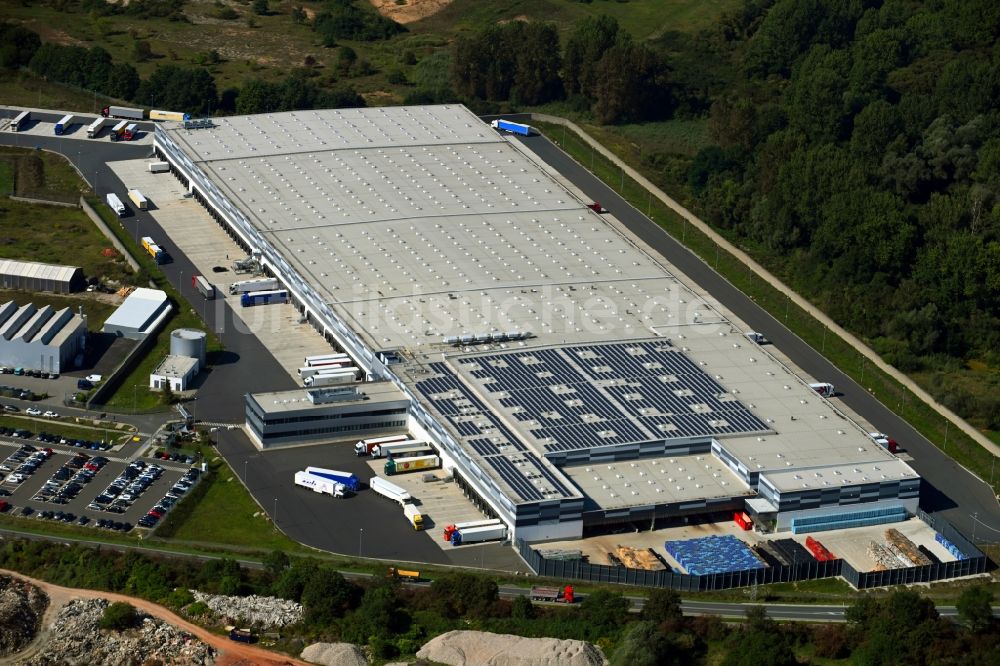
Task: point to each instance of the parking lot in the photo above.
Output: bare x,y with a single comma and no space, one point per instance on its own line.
69,481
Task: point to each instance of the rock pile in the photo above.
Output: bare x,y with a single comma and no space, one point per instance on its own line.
264,612
335,654
467,648
21,608
76,638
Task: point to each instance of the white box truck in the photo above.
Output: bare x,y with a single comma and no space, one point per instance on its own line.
365,446
115,204
94,129
318,484
389,490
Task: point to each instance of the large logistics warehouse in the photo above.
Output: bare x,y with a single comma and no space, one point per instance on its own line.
568,376
40,338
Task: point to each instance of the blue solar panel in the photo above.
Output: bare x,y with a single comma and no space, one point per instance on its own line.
660,386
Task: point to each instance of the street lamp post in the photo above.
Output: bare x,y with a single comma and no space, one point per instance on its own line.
245,470
361,533
275,514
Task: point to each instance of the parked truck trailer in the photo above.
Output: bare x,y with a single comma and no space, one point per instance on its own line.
315,370
117,132
94,129
365,446
159,167
350,481
414,464
454,527
20,122
64,123
409,447
115,204
122,112
154,250
323,359
176,116
269,297
140,201
389,490
479,534
258,284
204,287
332,378
414,516
319,484
562,595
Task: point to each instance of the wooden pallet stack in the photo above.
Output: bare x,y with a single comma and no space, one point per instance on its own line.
635,558
906,548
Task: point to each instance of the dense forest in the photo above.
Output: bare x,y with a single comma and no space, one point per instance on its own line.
394,620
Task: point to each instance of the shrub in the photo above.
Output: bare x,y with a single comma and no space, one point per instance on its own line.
119,616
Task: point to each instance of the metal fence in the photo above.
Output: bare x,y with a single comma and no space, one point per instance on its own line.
975,563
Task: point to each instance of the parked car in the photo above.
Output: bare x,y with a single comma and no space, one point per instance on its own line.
33,411
10,408
49,414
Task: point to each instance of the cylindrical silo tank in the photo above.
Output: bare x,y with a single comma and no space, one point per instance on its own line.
188,342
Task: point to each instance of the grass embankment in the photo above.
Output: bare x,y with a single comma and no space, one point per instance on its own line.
71,427
220,508
933,426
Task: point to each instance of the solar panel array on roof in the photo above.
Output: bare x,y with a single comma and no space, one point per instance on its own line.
490,439
592,396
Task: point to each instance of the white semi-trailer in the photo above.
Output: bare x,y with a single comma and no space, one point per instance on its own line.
401,448
389,490
259,284
365,446
319,484
332,377
479,534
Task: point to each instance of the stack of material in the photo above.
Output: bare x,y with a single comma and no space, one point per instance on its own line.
906,548
884,557
561,554
634,558
818,550
125,291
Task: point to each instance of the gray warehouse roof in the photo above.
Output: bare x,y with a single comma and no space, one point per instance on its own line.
138,310
37,270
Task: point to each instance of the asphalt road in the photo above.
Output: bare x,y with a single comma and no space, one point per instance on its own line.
948,488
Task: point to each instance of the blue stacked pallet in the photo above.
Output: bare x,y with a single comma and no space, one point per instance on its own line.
713,554
952,548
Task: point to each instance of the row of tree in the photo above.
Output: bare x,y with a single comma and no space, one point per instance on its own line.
899,628
858,145
192,90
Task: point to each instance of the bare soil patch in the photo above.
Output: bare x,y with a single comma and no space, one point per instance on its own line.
413,10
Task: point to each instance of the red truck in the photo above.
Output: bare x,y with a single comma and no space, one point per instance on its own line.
558,595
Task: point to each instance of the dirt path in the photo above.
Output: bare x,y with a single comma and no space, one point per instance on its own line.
229,653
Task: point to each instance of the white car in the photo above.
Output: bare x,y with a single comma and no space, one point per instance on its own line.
32,411
94,378
49,414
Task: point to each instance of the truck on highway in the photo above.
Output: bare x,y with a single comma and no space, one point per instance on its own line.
409,447
454,527
159,167
154,250
824,389
20,122
140,201
258,284
350,481
332,378
204,287
389,490
511,127
414,464
115,204
118,131
562,595
365,446
64,123
94,129
479,534
253,298
122,112
414,516
319,484
177,116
